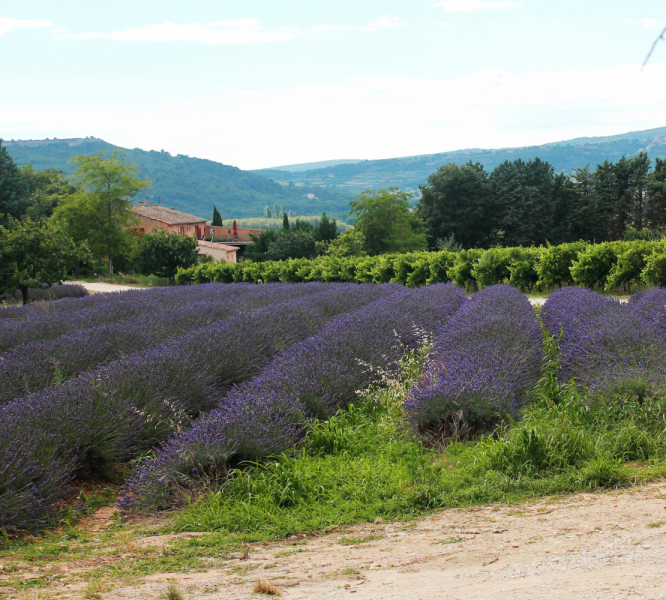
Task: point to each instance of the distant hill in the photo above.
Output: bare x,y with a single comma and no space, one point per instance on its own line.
322,164
188,184
408,172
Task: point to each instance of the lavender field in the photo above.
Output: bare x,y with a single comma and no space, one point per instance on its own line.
166,390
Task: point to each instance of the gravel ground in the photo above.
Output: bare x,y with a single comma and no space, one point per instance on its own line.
602,546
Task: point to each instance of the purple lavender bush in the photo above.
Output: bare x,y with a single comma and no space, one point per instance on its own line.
128,405
651,306
29,367
316,377
483,363
606,346
32,483
54,319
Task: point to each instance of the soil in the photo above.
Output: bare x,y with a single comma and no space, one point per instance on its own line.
598,545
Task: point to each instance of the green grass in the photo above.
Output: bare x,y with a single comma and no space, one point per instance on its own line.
363,464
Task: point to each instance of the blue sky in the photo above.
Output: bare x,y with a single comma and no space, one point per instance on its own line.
260,83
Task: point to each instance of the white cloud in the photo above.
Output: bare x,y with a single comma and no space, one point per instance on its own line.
442,23
382,23
319,28
378,117
473,5
8,24
650,23
243,31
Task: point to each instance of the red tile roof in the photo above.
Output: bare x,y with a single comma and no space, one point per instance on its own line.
166,215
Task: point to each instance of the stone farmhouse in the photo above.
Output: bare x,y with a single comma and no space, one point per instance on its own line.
211,239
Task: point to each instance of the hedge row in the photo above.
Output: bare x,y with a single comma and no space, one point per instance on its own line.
605,265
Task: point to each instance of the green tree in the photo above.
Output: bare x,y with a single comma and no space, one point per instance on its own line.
291,244
523,201
384,217
285,222
326,230
217,217
162,254
260,243
100,213
14,191
350,243
46,189
34,255
456,203
656,209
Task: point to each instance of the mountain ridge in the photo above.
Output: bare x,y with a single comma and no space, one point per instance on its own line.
192,185
409,171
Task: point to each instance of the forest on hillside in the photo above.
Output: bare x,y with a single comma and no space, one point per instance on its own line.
409,172
192,185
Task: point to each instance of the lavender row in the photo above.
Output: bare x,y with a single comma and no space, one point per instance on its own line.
314,378
483,363
49,320
130,404
31,367
606,346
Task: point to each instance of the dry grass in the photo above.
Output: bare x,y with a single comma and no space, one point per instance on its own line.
263,587
172,593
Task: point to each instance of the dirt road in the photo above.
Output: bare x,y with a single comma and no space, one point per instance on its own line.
609,545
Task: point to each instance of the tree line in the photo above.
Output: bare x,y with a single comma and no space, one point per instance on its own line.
524,203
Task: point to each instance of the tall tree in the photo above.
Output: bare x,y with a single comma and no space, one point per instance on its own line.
35,255
46,189
457,202
584,214
656,187
162,254
285,222
384,217
100,213
217,217
14,191
523,201
326,230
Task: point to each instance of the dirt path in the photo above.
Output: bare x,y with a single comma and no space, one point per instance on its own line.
98,286
609,545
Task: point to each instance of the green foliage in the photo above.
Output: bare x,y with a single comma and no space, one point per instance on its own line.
631,262
363,463
594,264
162,254
190,184
456,203
217,217
99,213
326,229
654,272
35,255
14,190
350,243
291,244
554,266
384,218
605,266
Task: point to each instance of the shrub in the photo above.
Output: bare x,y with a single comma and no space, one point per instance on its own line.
483,363
608,347
554,266
266,415
594,264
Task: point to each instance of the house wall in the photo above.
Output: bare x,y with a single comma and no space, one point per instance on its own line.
219,253
226,234
193,230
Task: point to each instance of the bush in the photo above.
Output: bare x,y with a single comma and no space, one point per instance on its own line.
594,264
554,266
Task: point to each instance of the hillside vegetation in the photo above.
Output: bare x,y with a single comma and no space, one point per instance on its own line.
192,185
408,172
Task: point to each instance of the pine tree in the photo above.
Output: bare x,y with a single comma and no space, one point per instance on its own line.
217,217
14,191
285,222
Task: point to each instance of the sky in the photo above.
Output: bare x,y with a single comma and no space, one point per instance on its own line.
261,83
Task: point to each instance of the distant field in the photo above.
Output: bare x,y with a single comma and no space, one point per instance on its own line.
263,223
